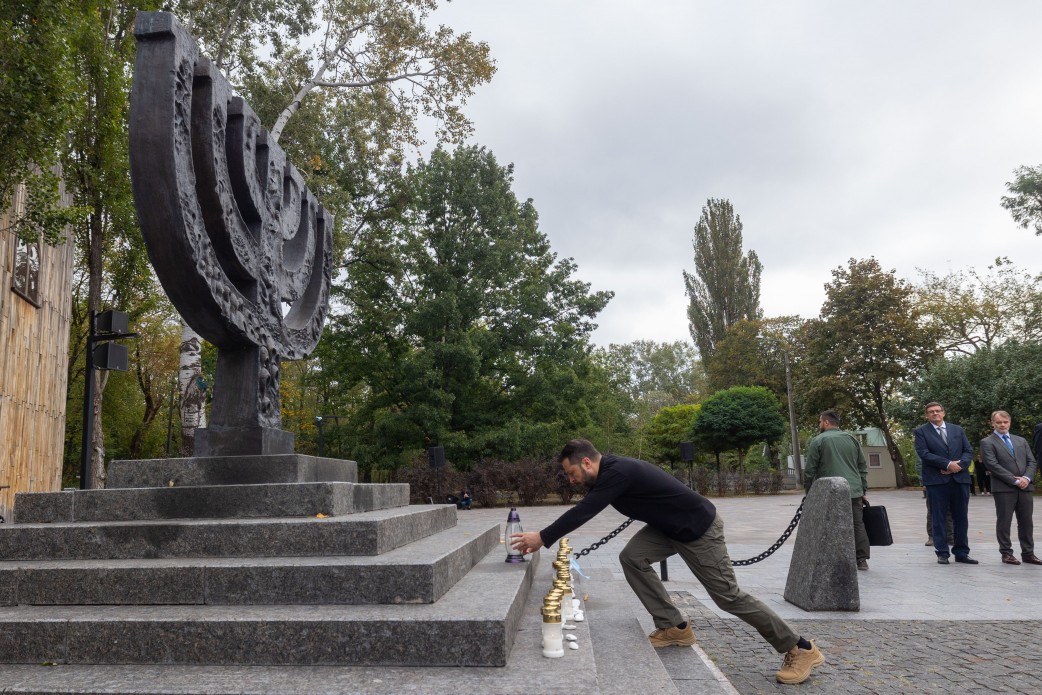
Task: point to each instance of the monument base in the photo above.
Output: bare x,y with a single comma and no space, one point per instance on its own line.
244,441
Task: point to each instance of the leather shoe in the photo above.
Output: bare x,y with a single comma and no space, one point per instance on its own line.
966,560
1031,559
1008,559
943,561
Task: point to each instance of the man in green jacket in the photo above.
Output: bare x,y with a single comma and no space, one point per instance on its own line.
837,453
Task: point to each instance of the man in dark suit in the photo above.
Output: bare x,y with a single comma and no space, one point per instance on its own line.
1012,467
946,455
1036,438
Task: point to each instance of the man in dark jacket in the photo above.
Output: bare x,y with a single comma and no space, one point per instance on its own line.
678,521
946,454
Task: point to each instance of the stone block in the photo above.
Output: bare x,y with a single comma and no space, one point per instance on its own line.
368,533
230,470
474,624
209,502
823,570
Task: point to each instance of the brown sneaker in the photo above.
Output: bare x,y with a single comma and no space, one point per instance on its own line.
798,663
672,637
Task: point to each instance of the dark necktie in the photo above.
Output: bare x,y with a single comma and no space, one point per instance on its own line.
944,436
1009,444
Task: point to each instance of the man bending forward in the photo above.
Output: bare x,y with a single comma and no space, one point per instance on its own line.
678,521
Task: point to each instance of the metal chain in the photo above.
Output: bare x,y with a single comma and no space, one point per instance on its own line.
587,551
734,563
777,544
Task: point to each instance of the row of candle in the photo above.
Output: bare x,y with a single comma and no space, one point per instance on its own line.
558,609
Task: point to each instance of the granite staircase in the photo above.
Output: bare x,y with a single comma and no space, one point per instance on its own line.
252,561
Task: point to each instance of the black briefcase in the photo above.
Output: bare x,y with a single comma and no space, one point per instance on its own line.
877,525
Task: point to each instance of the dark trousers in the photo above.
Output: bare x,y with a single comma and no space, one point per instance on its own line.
955,498
857,511
1007,504
949,529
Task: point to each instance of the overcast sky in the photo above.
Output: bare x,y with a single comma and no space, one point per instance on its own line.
837,130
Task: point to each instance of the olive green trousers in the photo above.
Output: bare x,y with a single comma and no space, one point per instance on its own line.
707,557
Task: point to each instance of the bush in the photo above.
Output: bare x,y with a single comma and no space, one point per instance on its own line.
704,479
426,483
565,489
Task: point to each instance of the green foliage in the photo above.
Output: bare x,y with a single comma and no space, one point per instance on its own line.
869,341
751,353
670,426
725,287
1025,199
39,91
738,418
971,387
972,310
463,328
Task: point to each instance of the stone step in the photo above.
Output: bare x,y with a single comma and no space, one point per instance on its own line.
230,470
366,533
207,502
473,624
420,572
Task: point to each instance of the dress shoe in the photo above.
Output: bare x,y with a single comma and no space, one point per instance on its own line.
966,560
1031,559
943,561
928,543
1008,559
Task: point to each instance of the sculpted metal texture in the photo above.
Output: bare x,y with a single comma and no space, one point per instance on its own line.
241,246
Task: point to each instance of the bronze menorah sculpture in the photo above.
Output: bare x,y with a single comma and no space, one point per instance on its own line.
241,246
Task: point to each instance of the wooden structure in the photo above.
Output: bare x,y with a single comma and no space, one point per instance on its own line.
35,306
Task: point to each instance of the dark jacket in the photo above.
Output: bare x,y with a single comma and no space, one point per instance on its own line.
644,492
935,454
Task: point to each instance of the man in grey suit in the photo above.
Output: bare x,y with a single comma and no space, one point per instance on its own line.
1012,467
946,454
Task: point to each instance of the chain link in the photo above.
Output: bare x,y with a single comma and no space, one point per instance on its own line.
734,563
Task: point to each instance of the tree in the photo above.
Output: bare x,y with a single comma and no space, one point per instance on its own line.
1025,199
972,311
668,428
648,376
41,91
869,340
750,354
971,387
463,328
736,419
725,287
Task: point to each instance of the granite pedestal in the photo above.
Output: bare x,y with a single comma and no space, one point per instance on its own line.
290,562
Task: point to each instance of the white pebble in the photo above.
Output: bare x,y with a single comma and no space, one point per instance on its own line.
567,626
573,645
578,616
576,604
571,638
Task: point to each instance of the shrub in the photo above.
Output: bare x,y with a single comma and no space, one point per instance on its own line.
426,483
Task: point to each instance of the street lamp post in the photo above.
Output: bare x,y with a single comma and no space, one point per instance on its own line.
792,420
105,328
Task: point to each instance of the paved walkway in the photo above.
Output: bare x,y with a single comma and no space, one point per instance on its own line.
922,627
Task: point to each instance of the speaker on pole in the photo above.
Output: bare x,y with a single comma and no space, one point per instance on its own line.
687,451
436,456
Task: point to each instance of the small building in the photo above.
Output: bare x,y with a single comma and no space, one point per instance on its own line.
881,471
35,306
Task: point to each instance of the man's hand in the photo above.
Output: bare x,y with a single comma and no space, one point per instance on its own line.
527,542
1023,482
958,467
